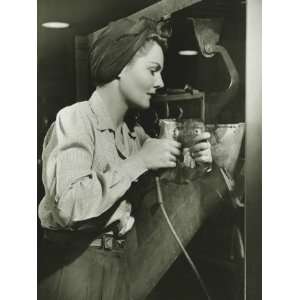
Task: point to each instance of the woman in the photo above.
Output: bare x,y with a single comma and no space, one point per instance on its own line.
90,160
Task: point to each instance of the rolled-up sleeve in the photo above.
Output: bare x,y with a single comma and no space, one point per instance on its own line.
80,192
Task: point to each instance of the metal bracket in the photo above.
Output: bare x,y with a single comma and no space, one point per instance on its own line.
207,32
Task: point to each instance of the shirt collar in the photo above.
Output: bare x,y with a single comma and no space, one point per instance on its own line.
104,120
99,109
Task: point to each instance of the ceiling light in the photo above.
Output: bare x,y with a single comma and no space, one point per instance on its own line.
188,52
56,25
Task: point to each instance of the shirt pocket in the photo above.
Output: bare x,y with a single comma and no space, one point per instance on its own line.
106,154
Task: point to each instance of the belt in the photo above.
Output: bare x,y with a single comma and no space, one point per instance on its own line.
108,242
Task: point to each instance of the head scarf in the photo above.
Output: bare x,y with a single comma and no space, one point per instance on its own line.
115,46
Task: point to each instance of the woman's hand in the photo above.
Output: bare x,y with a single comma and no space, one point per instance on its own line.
159,153
201,150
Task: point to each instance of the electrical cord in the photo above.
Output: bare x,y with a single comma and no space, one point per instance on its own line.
161,204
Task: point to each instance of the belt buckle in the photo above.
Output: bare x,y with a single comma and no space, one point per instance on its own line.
121,243
107,242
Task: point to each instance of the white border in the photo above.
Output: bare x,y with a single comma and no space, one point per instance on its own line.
281,84
18,150
281,175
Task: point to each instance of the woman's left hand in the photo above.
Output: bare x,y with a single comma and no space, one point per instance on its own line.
201,149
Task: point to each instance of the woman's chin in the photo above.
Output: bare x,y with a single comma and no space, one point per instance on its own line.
142,105
146,105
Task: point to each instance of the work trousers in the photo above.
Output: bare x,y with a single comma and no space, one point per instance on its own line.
90,273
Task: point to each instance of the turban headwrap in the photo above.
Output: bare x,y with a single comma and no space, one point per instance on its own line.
115,46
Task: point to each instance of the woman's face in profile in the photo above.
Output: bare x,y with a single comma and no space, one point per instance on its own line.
142,76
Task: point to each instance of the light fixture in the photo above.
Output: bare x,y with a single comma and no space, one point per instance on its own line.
56,25
187,52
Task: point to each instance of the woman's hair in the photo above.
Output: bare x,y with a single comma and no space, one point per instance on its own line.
163,42
149,42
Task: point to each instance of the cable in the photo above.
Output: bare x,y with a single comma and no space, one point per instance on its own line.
161,204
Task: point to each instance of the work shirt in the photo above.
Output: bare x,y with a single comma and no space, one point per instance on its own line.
88,165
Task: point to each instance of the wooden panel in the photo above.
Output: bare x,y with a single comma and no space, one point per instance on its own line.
157,11
163,8
151,247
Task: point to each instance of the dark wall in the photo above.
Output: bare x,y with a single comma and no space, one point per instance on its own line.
56,84
56,72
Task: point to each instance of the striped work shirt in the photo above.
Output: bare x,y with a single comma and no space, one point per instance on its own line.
88,165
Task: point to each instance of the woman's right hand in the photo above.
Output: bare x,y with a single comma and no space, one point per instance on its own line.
159,153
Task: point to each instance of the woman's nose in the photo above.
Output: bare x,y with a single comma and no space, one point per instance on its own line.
159,83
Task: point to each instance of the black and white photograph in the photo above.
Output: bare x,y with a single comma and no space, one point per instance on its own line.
149,150
141,151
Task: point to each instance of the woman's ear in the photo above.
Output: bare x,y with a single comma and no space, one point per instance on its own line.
122,73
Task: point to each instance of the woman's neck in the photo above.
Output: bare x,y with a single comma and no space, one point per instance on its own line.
114,102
